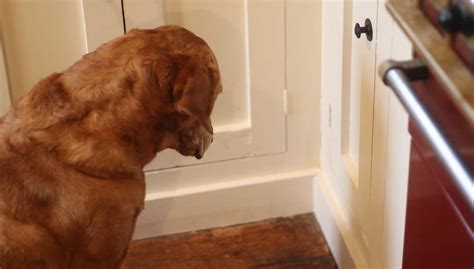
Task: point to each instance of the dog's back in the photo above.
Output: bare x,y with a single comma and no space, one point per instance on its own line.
51,215
23,243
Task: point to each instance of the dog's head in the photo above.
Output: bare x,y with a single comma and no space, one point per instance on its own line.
154,89
194,85
195,90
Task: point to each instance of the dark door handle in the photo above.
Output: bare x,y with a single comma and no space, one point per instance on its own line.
367,30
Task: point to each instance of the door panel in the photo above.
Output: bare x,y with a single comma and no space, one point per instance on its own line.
103,21
363,73
142,14
390,154
248,39
365,144
360,86
353,112
224,27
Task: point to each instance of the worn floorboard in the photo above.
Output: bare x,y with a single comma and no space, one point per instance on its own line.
295,242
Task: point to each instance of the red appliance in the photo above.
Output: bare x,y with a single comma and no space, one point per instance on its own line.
437,89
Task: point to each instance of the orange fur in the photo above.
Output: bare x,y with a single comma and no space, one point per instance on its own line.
72,151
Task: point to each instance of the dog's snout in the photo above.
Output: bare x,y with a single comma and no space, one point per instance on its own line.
197,154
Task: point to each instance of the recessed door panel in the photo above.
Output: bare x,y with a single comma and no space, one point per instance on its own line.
352,108
248,40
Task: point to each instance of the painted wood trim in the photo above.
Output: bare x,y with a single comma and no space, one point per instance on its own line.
143,14
227,203
103,21
5,99
398,156
346,246
384,27
361,75
266,33
332,82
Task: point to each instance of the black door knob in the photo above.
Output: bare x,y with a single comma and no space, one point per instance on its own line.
367,30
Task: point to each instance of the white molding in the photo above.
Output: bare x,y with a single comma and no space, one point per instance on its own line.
143,14
343,242
267,45
102,21
227,203
5,99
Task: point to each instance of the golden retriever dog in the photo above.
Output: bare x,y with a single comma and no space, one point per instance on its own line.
72,151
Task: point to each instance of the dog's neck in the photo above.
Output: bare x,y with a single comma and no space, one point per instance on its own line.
99,152
100,137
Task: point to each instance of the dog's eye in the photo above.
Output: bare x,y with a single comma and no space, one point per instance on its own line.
187,122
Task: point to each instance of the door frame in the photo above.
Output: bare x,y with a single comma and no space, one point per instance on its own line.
5,99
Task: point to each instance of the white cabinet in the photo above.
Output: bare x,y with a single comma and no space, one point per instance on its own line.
265,144
352,111
303,120
364,135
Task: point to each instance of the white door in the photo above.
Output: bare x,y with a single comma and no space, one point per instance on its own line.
248,38
361,128
351,111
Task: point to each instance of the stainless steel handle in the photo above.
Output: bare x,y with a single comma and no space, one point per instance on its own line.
395,75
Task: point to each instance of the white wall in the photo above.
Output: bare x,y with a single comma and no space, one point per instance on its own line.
40,37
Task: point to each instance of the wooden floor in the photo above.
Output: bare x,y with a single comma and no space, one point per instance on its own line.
295,242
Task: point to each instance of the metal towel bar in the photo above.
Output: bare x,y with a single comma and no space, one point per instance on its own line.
397,75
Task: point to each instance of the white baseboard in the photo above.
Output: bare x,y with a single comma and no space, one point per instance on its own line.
343,244
229,203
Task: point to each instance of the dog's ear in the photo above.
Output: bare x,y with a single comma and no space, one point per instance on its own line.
193,93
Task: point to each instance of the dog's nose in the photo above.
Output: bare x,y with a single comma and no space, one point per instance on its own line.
198,154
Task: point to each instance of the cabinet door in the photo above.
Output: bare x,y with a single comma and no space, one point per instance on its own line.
365,143
351,111
248,38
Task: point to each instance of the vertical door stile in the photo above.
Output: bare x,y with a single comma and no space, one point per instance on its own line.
103,21
5,100
143,14
384,31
